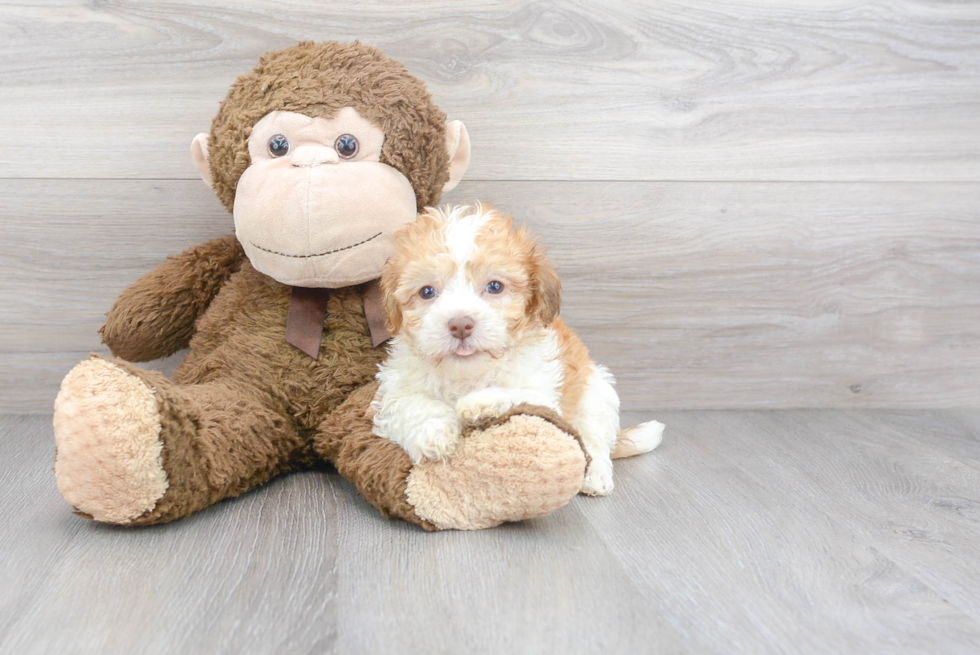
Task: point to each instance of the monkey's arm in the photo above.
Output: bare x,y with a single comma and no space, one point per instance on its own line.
155,316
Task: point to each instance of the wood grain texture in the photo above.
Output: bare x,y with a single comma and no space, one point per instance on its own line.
851,287
253,575
746,532
772,501
612,90
695,295
545,586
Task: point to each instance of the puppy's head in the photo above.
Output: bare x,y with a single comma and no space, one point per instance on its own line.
465,286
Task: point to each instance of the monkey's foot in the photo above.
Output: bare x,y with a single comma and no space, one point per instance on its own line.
108,461
519,466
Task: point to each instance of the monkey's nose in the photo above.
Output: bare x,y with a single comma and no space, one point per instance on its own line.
461,327
306,156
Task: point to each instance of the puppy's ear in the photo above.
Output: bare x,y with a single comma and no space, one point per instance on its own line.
393,311
545,288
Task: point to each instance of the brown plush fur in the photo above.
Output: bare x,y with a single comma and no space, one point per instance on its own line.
155,317
233,422
318,79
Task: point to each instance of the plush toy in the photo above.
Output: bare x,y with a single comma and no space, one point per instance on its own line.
320,153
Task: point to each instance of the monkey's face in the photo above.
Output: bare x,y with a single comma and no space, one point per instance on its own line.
316,207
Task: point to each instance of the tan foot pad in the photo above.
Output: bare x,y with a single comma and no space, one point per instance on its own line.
515,469
107,432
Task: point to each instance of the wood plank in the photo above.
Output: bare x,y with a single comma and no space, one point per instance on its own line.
543,586
776,295
695,294
612,90
925,468
255,574
29,381
788,546
745,532
903,483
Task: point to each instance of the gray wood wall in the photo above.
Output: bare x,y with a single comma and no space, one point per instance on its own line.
752,204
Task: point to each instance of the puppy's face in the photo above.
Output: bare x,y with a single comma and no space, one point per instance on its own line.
465,287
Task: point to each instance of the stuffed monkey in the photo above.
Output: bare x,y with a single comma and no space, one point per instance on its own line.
321,153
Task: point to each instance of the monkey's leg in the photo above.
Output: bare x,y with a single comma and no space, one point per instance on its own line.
133,448
528,463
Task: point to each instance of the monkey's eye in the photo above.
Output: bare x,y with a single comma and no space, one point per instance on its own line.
427,293
495,287
278,145
346,146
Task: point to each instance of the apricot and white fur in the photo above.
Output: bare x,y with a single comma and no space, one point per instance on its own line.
508,345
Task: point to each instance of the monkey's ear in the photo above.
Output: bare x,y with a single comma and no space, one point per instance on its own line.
199,155
458,144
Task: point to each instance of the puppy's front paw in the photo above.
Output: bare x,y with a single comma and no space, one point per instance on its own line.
434,439
481,405
599,478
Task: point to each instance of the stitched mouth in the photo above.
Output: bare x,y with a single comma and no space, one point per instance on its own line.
319,254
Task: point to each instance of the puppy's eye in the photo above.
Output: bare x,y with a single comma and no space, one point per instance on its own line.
346,146
278,145
427,293
495,287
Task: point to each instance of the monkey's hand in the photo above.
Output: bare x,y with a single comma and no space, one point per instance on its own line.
155,316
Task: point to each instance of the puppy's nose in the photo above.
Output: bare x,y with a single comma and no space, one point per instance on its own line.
461,326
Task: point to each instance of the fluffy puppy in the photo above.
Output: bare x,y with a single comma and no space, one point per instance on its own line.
473,305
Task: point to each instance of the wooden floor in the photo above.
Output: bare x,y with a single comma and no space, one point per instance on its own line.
746,532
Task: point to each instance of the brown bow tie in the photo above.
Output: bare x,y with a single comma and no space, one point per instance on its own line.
308,309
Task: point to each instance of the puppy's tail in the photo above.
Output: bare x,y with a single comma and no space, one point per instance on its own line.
638,439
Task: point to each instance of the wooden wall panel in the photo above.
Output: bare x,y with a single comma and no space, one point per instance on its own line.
611,90
752,204
697,295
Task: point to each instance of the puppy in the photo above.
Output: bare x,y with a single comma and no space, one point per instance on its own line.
473,305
